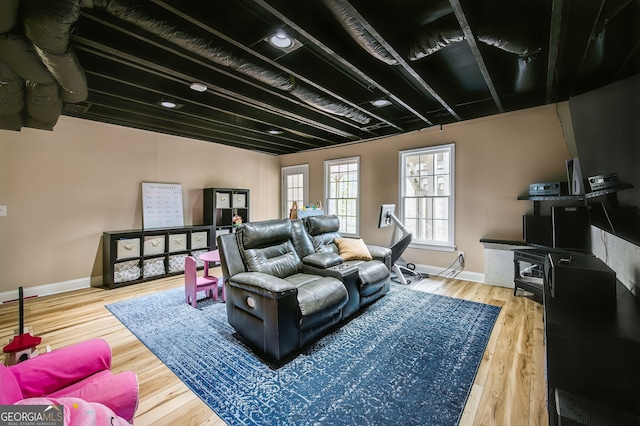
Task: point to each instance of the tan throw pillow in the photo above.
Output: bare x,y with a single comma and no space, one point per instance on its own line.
353,249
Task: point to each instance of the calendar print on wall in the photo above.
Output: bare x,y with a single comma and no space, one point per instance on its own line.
162,205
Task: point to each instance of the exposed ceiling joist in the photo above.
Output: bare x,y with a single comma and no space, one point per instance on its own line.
425,63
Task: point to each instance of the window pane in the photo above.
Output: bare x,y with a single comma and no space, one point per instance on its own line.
410,208
342,193
441,230
442,163
440,208
295,189
426,164
412,165
427,193
426,186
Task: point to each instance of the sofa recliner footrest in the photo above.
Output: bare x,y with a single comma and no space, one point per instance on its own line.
320,301
372,272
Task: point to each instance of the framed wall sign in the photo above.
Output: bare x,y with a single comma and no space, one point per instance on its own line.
162,205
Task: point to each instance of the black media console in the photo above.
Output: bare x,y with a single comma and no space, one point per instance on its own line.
592,343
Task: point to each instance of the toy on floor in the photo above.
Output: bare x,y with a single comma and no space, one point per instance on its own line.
23,346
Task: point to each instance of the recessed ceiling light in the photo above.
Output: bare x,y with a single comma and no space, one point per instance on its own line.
280,40
169,102
198,87
380,102
274,131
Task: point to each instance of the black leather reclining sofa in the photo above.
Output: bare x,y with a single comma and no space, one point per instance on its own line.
286,283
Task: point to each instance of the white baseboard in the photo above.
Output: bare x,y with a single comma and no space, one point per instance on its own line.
80,283
49,289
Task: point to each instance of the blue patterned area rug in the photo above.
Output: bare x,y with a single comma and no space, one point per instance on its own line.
410,358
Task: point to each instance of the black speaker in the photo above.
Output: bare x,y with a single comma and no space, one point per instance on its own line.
571,228
578,280
536,229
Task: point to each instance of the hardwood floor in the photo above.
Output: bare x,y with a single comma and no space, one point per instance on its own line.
509,388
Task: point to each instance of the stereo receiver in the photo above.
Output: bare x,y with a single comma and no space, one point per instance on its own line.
599,182
545,188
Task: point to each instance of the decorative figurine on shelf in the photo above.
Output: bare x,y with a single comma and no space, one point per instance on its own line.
236,220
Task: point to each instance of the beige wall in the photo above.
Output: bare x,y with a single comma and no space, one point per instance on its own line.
64,188
497,158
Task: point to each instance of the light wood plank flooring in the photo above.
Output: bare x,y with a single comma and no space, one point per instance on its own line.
509,388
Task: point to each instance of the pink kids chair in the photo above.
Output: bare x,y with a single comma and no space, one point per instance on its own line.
193,283
79,378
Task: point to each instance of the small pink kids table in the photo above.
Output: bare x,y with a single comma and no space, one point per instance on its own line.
212,256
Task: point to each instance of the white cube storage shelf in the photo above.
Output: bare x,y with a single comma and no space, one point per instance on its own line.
199,240
128,248
177,242
222,206
153,245
137,255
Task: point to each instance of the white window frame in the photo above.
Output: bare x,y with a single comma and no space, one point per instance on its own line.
448,245
327,166
302,169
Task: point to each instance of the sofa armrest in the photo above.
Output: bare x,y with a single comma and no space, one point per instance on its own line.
322,260
263,284
383,254
264,310
60,368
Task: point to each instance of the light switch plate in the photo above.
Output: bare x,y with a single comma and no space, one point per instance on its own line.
3,210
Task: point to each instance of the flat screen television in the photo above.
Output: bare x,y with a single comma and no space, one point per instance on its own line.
386,212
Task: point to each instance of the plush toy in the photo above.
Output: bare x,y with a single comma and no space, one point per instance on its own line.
76,411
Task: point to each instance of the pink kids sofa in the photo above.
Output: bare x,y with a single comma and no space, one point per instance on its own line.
77,377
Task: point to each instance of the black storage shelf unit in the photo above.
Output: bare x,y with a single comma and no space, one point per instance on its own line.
220,207
138,255
608,215
609,192
529,272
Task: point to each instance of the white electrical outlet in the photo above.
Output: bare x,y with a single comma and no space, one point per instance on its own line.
3,210
461,253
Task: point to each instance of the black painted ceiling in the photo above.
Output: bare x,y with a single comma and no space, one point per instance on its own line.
437,62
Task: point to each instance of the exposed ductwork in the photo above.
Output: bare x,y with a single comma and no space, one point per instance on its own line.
359,32
43,105
9,15
441,33
46,60
44,68
11,98
508,40
48,26
128,11
526,50
27,88
435,36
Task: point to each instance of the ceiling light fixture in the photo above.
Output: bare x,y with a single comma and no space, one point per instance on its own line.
280,40
275,131
380,102
198,87
168,103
